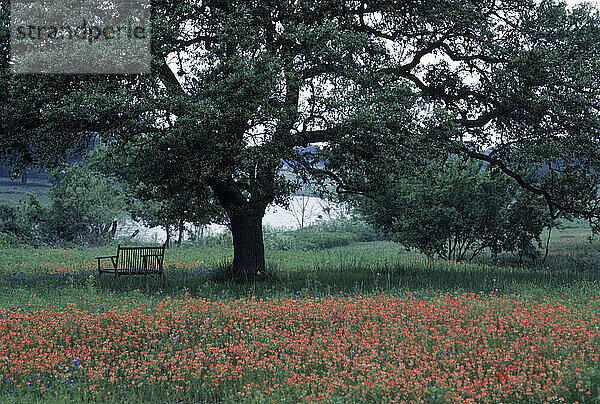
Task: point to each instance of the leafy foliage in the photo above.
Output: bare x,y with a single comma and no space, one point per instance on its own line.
84,208
85,205
25,224
333,233
237,88
453,208
162,193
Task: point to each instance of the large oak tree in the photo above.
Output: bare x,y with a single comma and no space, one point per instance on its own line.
239,87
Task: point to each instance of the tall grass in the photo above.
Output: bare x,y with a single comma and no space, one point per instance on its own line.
57,277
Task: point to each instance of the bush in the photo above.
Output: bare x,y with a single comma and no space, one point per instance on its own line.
85,205
83,210
275,239
362,230
334,233
8,240
454,209
24,225
224,239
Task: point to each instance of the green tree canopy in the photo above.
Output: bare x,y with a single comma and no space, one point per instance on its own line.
454,209
236,88
85,205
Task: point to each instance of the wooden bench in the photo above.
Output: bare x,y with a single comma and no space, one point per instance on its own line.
134,261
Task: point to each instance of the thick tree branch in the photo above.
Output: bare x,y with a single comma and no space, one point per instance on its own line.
554,206
168,78
228,195
341,186
469,58
304,138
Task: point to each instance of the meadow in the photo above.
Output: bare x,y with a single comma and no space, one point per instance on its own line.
364,322
12,192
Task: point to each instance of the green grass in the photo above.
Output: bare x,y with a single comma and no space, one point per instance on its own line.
33,279
12,192
368,268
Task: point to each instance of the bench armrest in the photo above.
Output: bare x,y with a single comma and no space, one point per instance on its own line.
113,259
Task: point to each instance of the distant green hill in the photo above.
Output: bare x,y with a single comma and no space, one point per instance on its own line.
12,191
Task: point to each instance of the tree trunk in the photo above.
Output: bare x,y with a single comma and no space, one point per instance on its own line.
248,247
547,244
245,222
168,230
180,230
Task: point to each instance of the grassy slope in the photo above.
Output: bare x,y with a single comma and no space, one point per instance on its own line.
11,192
359,268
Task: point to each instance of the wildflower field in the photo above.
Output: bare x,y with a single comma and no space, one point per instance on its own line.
362,323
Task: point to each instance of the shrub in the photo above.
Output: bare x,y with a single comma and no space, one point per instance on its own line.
334,233
8,240
224,239
361,230
275,239
453,208
85,204
26,224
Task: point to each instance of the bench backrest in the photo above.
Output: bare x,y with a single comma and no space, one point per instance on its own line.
140,259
